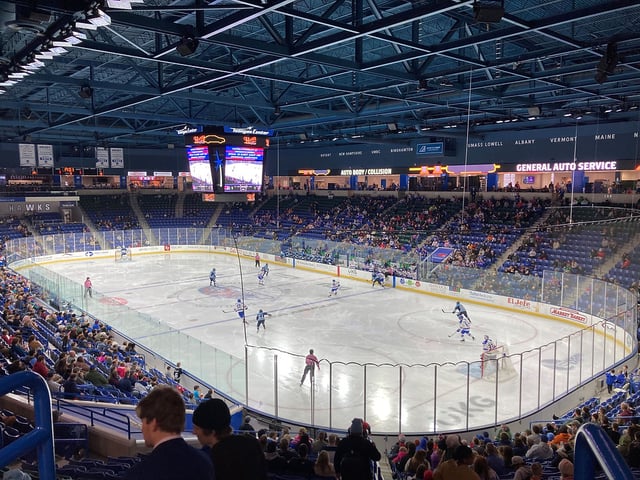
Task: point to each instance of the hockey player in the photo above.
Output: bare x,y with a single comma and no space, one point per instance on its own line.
488,344
377,277
460,310
265,269
123,253
240,308
464,327
261,278
335,286
212,277
260,317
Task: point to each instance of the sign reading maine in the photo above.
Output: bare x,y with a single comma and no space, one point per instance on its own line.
566,166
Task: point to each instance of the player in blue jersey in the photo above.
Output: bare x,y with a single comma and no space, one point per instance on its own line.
260,317
335,286
240,308
460,310
377,277
464,327
212,277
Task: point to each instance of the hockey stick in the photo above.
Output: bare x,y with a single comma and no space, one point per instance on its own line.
445,311
452,334
234,310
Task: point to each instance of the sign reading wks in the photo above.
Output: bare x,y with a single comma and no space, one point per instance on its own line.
432,148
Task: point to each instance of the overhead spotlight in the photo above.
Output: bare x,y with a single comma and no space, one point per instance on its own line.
568,114
276,110
423,84
86,91
393,127
187,46
488,11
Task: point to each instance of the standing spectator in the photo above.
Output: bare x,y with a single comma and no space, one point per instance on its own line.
196,394
310,363
235,457
610,379
177,372
355,453
162,413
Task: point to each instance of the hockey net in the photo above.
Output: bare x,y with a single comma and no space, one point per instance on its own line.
119,257
498,364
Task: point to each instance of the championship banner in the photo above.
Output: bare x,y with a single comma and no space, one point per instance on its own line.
45,156
117,158
27,155
102,157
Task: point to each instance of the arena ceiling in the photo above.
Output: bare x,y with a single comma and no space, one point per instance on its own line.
312,70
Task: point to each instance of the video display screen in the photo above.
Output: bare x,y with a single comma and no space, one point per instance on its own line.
529,180
243,169
200,169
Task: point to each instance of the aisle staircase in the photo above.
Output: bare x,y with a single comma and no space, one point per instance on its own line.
146,228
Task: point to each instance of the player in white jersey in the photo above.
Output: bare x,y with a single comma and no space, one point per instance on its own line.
377,277
123,252
335,286
212,277
240,308
460,310
260,317
261,278
488,344
464,327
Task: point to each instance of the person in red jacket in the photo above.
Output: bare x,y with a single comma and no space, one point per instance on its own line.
40,367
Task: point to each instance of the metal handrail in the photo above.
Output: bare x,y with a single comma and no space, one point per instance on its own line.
42,435
594,447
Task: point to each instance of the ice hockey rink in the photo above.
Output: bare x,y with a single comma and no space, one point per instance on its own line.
384,327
